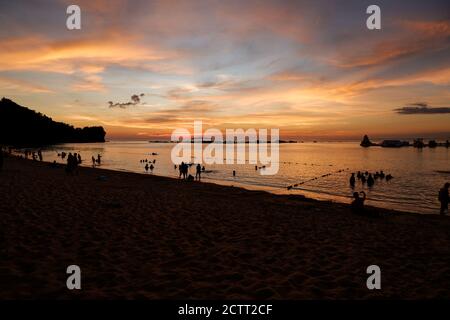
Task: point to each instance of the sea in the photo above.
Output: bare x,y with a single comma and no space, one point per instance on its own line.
319,170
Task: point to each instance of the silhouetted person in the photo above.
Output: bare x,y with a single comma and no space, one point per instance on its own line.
40,155
75,162
175,167
146,167
382,174
352,180
93,162
234,173
389,177
69,166
1,159
180,169
79,159
444,198
358,202
99,159
256,168
203,168
370,180
152,167
363,179
198,172
358,175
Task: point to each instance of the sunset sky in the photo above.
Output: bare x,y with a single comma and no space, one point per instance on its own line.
310,68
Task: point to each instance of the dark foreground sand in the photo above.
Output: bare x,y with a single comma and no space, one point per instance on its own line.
137,236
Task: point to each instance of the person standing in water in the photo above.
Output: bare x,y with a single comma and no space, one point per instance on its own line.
444,198
352,180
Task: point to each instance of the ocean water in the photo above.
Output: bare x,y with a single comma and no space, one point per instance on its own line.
321,170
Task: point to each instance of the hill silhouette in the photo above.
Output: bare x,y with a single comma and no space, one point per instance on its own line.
22,126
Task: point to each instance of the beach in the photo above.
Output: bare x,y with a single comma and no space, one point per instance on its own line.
140,236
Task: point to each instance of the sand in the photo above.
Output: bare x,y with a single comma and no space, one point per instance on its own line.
140,236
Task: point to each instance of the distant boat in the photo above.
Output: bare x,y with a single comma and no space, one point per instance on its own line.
394,143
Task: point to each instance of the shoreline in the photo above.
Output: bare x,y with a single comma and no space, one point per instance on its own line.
154,237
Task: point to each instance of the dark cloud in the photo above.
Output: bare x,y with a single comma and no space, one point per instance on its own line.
135,100
422,108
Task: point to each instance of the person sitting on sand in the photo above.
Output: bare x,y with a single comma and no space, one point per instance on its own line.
352,180
358,202
198,171
444,198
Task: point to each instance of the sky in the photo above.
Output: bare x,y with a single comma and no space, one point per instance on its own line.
310,68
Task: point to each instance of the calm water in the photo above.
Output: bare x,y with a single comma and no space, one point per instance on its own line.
414,187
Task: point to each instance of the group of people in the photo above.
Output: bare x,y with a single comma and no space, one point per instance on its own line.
183,168
34,155
369,178
73,161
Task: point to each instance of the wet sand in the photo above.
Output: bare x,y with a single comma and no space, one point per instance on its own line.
142,236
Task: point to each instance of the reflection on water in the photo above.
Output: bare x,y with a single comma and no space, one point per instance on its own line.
414,187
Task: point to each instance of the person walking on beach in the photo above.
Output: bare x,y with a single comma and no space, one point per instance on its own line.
444,198
93,162
358,202
198,172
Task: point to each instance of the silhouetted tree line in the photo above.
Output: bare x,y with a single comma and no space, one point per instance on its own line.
22,126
